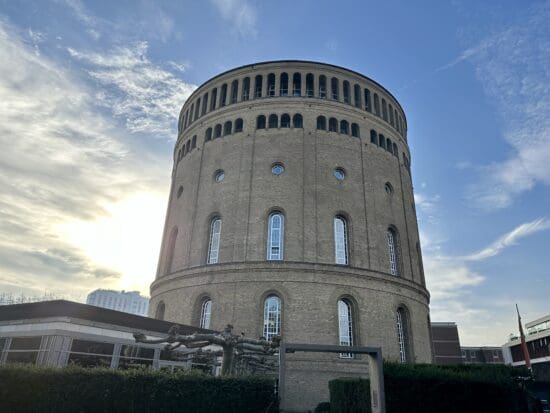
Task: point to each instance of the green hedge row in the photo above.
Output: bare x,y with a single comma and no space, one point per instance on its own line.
73,389
430,388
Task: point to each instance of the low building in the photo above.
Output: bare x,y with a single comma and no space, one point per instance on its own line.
59,333
482,355
538,346
446,343
126,301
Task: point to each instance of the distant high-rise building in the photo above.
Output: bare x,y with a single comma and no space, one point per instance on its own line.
127,301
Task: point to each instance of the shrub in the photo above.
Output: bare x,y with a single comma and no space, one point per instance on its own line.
430,388
75,389
323,407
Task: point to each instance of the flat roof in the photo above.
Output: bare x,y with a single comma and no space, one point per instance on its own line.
65,308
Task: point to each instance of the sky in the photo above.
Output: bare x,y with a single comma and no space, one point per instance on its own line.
90,93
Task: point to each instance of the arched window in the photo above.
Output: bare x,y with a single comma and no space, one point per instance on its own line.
384,110
344,127
260,122
333,125
214,244
355,130
376,105
357,96
246,89
297,84
321,123
345,85
187,146
275,235
213,98
206,311
368,106
283,91
390,109
395,150
258,86
389,146
170,250
285,120
185,119
183,153
323,87
227,128
272,317
191,113
403,335
340,240
197,108
393,252
208,135
271,84
334,88
234,90
238,125
194,142
161,309
204,104
382,141
345,325
223,95
297,121
217,131
273,121
396,119
373,137
309,85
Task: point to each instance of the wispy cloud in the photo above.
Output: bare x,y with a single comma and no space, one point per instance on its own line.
145,95
240,14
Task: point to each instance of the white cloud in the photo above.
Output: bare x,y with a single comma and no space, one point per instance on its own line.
146,96
240,14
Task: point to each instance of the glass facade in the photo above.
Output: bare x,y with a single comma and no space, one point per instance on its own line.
272,317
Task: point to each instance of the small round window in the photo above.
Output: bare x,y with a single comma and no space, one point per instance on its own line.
277,169
388,188
219,175
180,191
339,174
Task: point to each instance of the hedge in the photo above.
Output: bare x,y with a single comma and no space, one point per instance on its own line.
80,390
429,388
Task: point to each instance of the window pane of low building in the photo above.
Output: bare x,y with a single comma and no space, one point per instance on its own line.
93,347
89,360
25,343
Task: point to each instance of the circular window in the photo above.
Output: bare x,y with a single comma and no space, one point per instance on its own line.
219,175
277,169
388,188
180,191
339,174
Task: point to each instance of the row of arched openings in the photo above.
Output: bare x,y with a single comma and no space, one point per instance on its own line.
273,121
187,147
335,126
347,331
291,85
275,243
227,129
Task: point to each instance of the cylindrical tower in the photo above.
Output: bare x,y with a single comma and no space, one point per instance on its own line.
292,212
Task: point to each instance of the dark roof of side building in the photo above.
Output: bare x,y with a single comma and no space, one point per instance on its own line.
64,308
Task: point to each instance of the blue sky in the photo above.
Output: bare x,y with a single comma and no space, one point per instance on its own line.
89,98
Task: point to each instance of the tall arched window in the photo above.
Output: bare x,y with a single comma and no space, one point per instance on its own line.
322,87
217,131
334,88
396,119
223,95
238,125
272,317
275,236
191,110
297,84
273,121
389,146
344,127
309,85
357,96
321,123
333,125
197,108
170,250
260,122
384,110
204,104
403,335
382,141
368,106
208,135
213,98
258,86
340,240
234,91
285,120
227,128
393,256
271,84
206,311
297,121
355,130
395,150
345,325
390,109
283,91
246,89
345,86
159,312
214,243
194,142
376,105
